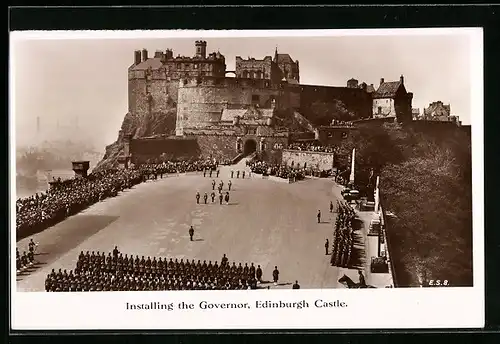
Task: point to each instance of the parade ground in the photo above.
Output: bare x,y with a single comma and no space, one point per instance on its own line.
266,222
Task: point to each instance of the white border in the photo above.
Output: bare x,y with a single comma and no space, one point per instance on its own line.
367,309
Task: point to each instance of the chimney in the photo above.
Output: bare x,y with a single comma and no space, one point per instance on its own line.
137,57
144,54
402,79
169,54
158,54
381,81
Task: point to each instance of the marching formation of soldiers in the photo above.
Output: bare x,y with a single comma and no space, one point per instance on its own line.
343,236
27,259
237,173
222,197
97,271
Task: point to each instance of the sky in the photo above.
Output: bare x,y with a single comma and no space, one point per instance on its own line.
78,87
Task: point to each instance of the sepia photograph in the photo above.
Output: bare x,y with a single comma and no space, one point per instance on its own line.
210,161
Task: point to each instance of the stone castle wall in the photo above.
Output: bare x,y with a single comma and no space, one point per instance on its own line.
323,161
201,103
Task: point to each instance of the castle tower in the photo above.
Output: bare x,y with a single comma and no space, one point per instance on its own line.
201,49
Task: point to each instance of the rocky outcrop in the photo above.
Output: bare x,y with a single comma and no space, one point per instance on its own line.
150,125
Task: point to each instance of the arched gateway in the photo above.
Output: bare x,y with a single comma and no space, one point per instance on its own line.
250,147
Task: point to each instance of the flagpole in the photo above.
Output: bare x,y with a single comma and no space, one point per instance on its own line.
351,178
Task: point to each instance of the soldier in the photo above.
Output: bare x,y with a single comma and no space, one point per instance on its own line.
218,171
319,216
204,172
205,197
331,207
251,271
197,198
213,184
224,260
362,282
232,173
237,174
220,188
213,196
210,172
229,185
226,198
327,244
258,274
276,274
243,175
32,245
191,233
220,198
296,285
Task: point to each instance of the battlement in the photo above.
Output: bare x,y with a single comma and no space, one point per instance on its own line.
223,82
266,59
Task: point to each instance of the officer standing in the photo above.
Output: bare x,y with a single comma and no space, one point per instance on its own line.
205,197
232,173
296,285
210,172
227,198
220,198
218,171
258,274
229,185
213,196
362,282
213,184
327,244
319,216
191,233
204,172
276,274
198,198
237,174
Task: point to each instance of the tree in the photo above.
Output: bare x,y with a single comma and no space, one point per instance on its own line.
322,113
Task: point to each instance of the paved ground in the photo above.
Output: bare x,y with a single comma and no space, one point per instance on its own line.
267,223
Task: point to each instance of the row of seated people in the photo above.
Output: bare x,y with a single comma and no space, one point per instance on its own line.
68,197
278,170
313,147
165,167
118,281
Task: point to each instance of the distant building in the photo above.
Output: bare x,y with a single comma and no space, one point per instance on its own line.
437,111
392,100
415,114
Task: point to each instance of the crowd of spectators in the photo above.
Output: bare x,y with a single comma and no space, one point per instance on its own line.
97,271
312,147
337,123
177,167
68,197
27,259
343,235
278,170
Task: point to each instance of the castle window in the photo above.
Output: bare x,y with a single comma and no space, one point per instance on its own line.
195,66
178,66
186,66
380,110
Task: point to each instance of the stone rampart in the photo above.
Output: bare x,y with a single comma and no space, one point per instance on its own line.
320,160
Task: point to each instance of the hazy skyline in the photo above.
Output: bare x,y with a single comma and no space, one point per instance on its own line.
83,83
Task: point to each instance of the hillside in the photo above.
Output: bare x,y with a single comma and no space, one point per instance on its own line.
425,181
150,125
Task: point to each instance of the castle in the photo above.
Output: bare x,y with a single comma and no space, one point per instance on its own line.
252,108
